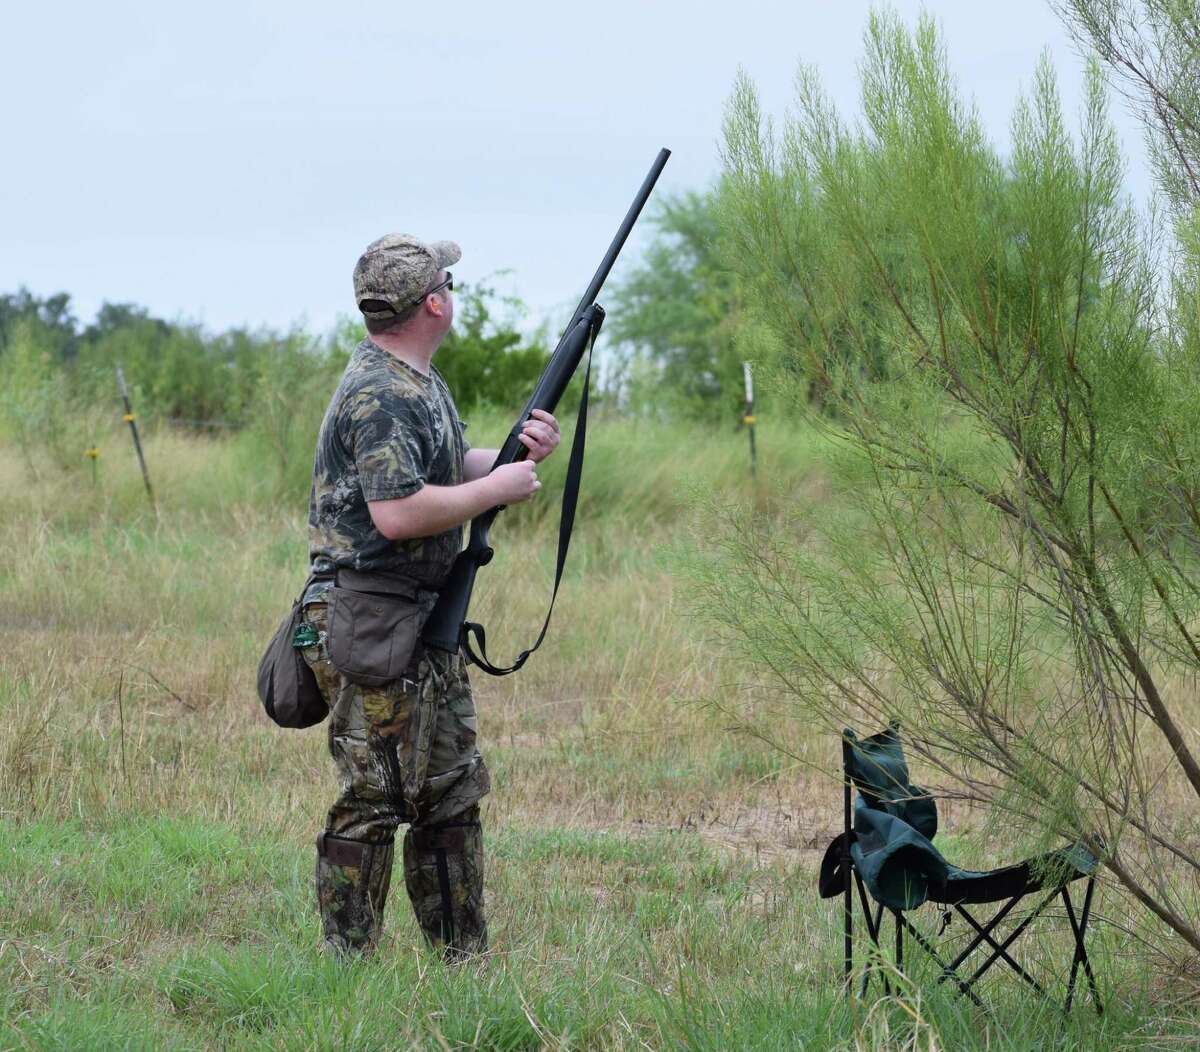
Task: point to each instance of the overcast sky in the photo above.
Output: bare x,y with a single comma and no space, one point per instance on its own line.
227,162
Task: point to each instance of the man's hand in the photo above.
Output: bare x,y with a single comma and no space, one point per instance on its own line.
540,435
513,483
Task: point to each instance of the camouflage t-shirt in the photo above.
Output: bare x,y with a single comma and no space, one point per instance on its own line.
388,430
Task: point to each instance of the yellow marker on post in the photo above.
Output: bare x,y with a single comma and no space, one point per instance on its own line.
131,420
92,454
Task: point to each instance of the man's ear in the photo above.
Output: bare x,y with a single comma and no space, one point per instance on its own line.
434,305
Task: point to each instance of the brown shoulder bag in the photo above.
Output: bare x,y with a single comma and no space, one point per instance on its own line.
286,685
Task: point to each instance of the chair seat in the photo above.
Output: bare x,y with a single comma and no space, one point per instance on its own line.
1050,870
919,866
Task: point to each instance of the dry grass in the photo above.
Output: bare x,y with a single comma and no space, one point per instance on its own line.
651,871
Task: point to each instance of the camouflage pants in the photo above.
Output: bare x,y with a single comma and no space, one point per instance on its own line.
405,752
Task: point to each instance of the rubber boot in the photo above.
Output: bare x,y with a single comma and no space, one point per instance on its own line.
443,871
352,885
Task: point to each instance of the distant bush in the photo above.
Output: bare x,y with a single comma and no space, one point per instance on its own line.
485,359
35,411
268,388
674,318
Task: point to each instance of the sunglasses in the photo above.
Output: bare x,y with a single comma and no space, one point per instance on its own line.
383,305
447,284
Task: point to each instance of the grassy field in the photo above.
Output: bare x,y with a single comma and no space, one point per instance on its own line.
651,871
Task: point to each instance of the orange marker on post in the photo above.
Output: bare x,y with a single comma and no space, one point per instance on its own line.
749,419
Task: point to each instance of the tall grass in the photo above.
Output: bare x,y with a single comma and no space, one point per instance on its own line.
650,871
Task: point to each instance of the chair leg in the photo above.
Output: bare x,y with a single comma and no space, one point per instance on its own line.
872,925
873,930
978,940
847,931
947,971
986,936
899,941
1013,936
847,894
1079,930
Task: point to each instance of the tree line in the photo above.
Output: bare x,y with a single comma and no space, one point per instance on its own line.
186,374
60,374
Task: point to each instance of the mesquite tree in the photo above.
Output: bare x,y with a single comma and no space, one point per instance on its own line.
1011,569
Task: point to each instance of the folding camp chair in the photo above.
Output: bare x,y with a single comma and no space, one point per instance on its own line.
886,851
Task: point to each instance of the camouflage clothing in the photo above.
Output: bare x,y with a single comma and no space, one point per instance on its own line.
444,865
405,751
352,888
388,430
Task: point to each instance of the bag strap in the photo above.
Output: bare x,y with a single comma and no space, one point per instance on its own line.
566,523
313,576
304,590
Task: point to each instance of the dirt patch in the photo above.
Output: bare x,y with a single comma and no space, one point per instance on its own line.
768,833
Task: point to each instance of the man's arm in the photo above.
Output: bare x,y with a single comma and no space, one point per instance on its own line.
478,462
435,509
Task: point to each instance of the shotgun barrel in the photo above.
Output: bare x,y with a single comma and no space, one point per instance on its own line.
444,627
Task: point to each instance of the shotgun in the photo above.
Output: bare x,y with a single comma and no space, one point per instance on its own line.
447,627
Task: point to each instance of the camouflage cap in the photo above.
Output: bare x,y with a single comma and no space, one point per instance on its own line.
397,269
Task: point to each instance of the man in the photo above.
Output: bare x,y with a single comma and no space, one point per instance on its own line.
393,482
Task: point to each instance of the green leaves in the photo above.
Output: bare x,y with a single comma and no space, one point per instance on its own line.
676,315
987,332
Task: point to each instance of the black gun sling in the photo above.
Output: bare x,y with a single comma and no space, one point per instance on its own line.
566,523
